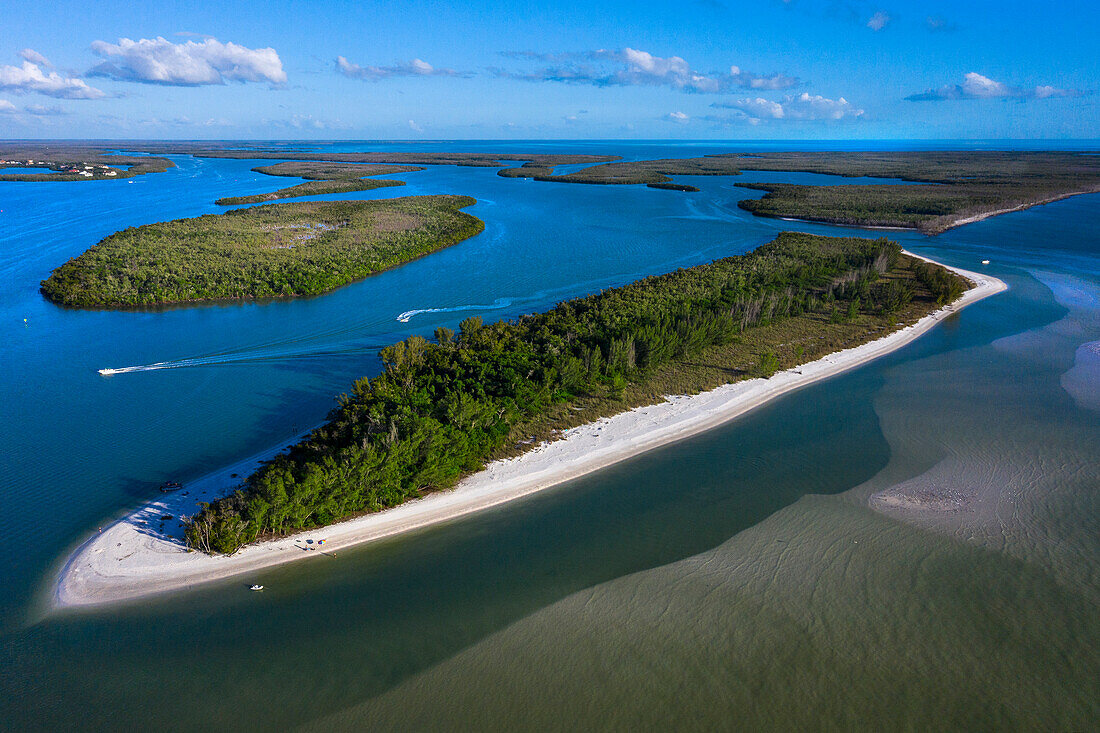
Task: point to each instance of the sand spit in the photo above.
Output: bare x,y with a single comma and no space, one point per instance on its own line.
980,217
142,554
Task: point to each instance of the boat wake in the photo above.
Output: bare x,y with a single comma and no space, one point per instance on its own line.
245,358
153,367
497,304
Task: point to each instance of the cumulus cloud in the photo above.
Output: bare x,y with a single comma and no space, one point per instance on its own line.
976,86
633,67
41,110
878,21
159,61
294,122
415,127
678,117
38,110
31,77
29,54
801,107
416,67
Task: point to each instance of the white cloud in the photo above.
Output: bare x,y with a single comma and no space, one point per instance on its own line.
41,110
159,61
678,117
1044,91
31,78
633,67
415,127
802,107
416,67
878,21
976,86
38,110
29,54
296,122
759,108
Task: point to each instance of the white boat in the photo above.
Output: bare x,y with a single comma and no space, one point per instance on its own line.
256,587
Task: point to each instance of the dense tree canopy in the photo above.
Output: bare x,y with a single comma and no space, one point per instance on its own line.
278,250
439,410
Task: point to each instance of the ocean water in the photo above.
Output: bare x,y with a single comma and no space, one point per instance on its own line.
752,575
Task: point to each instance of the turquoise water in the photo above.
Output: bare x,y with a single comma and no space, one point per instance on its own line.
705,583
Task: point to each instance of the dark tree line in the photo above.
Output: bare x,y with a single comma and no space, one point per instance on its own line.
439,410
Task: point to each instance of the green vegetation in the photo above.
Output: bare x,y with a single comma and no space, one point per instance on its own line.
877,205
441,410
971,184
311,188
320,171
932,209
278,250
324,178
68,161
944,286
946,167
673,187
650,172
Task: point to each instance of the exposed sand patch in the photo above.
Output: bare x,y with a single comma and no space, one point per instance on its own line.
394,221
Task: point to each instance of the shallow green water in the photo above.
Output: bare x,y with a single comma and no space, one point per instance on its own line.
736,578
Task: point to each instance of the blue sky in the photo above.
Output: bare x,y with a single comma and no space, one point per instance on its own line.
721,69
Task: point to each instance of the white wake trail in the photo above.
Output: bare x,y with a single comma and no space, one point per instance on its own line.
499,303
245,358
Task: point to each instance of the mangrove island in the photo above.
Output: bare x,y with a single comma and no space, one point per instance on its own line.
272,251
442,410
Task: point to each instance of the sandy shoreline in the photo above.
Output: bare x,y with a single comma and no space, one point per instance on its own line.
141,554
1021,207
951,225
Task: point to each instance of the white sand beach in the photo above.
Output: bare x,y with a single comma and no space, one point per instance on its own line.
142,554
961,221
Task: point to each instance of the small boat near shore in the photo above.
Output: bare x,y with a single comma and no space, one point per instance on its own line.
255,586
170,486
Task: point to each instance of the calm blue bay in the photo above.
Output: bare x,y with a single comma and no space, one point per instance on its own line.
743,565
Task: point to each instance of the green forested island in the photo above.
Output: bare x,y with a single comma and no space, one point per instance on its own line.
941,188
277,250
322,178
944,186
73,162
957,185
441,410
